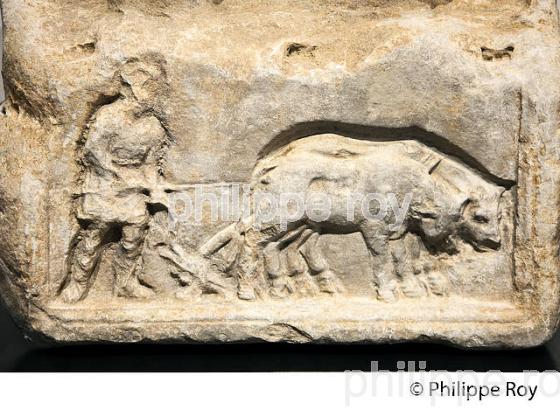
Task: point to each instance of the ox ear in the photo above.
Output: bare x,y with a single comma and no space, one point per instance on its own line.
494,190
501,191
464,204
494,196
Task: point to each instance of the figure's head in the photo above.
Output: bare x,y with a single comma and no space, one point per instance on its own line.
145,78
480,225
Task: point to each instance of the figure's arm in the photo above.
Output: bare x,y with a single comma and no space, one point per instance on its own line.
97,154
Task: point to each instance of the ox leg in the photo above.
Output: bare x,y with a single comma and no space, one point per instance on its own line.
275,270
326,279
402,253
378,246
283,261
246,272
297,267
257,250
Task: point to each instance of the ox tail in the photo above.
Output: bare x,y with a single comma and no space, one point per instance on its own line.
222,238
218,241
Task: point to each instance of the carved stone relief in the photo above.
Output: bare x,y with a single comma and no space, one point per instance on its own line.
249,179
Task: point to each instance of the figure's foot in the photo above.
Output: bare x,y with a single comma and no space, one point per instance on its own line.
412,288
134,289
72,292
437,284
329,283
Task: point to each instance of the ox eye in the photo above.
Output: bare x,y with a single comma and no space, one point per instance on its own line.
481,219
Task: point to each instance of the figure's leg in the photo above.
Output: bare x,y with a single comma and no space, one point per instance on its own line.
377,244
127,263
84,259
326,279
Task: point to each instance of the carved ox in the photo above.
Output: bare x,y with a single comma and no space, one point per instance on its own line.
446,201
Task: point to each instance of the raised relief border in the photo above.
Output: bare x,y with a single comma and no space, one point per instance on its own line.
430,223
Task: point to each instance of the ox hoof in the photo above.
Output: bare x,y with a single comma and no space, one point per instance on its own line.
437,284
329,283
305,286
386,295
281,288
246,292
188,292
412,288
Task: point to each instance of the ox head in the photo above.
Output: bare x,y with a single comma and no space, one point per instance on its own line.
480,222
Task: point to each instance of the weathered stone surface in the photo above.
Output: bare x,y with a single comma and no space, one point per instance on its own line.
439,119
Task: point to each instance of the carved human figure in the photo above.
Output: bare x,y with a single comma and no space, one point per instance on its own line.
120,158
